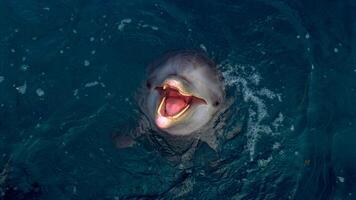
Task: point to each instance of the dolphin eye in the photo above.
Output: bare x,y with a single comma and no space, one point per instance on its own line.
148,85
216,103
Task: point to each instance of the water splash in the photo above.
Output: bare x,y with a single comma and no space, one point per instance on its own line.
246,80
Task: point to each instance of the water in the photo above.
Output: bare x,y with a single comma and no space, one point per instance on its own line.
69,71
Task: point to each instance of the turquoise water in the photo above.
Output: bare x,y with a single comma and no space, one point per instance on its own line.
70,71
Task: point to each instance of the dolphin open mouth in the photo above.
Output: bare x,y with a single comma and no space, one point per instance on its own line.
175,101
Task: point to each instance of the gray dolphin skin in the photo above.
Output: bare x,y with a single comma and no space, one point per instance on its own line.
184,93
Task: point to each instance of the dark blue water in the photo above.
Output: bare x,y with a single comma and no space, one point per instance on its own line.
69,72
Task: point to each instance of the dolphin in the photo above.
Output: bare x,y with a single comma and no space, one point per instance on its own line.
184,92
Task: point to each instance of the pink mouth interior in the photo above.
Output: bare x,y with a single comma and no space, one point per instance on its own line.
175,102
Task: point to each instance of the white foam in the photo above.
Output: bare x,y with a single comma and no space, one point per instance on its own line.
123,23
24,67
278,121
22,89
279,97
203,47
341,179
307,36
276,145
86,63
75,93
91,84
267,93
155,28
121,26
264,162
247,80
255,79
40,92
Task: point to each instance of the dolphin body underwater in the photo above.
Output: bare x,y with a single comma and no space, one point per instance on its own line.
181,102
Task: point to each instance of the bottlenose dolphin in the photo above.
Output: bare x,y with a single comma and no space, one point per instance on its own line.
180,102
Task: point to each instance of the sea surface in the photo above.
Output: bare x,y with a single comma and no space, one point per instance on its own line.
70,71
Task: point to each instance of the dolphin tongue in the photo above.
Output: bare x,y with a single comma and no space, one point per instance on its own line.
175,103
